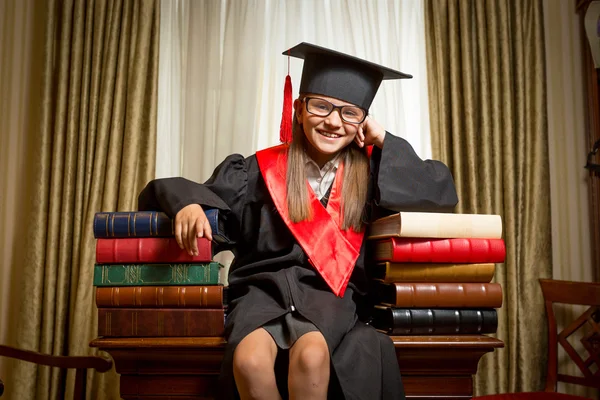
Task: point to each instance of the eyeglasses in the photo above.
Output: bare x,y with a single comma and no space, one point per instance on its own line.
322,108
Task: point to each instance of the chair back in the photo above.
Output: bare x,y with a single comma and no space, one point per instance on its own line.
80,364
579,293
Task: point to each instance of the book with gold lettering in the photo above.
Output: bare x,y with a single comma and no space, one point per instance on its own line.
440,295
156,274
160,297
425,273
149,250
125,224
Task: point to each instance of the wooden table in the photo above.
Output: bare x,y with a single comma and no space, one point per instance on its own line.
433,367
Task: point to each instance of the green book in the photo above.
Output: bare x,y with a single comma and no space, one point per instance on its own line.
156,274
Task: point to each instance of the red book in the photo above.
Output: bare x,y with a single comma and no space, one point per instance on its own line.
418,250
149,250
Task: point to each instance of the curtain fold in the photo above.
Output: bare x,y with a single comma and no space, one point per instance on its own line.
172,75
94,151
487,96
19,35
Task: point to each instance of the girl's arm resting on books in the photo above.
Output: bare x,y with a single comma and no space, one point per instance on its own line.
224,190
404,182
172,194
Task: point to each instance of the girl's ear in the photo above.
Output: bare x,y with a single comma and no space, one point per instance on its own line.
298,108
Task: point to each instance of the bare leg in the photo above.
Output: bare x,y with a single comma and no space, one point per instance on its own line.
253,366
309,368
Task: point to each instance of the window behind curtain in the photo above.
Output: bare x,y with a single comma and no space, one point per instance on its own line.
221,73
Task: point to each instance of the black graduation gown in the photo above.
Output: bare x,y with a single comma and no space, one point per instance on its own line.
271,274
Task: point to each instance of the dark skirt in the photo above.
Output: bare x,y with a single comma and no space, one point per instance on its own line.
288,328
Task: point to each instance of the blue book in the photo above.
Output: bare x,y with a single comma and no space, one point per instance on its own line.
125,224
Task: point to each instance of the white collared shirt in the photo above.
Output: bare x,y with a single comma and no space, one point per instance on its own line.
320,179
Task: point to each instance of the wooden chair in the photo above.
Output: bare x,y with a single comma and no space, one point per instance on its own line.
567,292
80,364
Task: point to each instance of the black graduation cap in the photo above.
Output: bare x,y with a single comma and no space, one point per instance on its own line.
334,74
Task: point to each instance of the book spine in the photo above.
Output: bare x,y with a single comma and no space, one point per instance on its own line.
149,250
436,225
147,224
156,274
132,224
160,297
440,225
432,321
443,295
134,322
217,230
448,250
421,273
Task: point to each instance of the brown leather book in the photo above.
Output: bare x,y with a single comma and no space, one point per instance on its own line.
425,272
440,295
160,296
136,322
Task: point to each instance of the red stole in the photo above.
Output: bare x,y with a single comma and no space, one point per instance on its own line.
332,251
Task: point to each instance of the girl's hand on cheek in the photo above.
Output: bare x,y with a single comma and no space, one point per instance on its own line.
370,132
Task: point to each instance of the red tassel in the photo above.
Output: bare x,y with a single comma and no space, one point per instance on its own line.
285,129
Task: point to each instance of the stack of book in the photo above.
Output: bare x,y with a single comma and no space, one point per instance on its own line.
147,286
433,273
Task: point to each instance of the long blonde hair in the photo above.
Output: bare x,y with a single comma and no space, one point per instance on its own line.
354,185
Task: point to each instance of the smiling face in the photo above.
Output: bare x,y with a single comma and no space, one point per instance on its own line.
325,136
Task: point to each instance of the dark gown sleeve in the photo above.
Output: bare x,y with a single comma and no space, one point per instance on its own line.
224,190
404,182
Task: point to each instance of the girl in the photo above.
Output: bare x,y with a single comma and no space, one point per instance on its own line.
297,216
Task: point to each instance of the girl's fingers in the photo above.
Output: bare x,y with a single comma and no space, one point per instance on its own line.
192,239
360,138
178,234
198,233
207,230
199,228
357,140
184,238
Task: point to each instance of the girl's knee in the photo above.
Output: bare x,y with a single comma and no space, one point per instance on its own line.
312,356
255,354
250,362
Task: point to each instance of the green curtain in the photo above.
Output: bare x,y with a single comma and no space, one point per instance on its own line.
487,96
94,150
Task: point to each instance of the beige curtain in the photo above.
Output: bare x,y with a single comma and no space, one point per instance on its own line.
17,35
94,149
487,96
